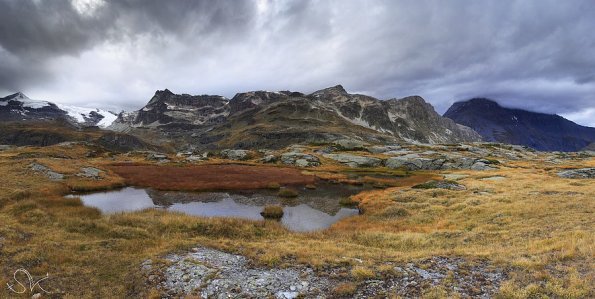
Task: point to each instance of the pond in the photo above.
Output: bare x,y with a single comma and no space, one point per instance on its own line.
311,210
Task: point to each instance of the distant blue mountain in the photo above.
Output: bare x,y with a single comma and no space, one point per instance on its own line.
545,132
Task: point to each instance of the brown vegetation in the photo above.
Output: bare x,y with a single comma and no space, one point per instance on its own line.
272,212
537,226
210,177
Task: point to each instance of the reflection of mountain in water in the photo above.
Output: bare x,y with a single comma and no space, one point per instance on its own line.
325,198
312,210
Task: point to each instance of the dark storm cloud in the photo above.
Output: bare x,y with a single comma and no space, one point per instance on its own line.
536,55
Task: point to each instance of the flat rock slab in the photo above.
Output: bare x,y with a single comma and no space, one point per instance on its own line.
454,176
581,173
355,161
90,172
493,178
49,173
449,185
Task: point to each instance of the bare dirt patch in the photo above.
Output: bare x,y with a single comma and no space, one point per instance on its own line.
210,177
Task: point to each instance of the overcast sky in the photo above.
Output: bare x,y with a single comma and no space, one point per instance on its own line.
537,55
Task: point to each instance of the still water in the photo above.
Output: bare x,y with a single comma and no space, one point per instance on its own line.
311,210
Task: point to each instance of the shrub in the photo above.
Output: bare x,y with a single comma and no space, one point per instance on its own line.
287,193
348,202
274,186
272,212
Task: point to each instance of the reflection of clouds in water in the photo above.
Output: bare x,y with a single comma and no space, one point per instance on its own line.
124,200
305,218
224,208
302,216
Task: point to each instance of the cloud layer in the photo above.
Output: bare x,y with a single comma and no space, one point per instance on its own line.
537,55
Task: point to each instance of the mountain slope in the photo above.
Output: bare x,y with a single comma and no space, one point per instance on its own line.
541,131
18,107
276,119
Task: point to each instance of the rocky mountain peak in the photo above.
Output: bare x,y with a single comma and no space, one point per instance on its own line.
18,95
331,91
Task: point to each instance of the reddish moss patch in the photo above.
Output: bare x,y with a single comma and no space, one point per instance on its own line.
210,177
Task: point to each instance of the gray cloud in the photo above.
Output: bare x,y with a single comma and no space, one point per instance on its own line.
536,54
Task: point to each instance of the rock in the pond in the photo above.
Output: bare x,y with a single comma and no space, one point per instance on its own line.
300,159
235,154
581,173
355,161
52,175
90,172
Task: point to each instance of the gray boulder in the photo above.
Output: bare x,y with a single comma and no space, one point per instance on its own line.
49,173
414,162
269,159
481,165
350,144
355,161
299,159
157,157
90,172
449,185
581,173
383,149
195,158
235,154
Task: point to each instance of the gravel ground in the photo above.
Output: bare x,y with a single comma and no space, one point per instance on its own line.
209,273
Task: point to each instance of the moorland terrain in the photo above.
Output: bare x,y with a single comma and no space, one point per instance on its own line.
468,220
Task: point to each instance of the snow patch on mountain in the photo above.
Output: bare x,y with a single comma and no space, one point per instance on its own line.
27,102
81,115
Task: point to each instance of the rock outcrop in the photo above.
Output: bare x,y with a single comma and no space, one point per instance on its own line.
355,161
581,173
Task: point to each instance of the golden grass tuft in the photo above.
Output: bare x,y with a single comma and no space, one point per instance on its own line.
287,192
272,212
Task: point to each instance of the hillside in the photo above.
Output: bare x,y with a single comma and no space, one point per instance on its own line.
546,132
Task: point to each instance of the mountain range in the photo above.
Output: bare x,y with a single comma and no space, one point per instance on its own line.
276,119
545,132
265,119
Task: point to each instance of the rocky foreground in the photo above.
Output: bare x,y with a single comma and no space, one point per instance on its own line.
211,273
